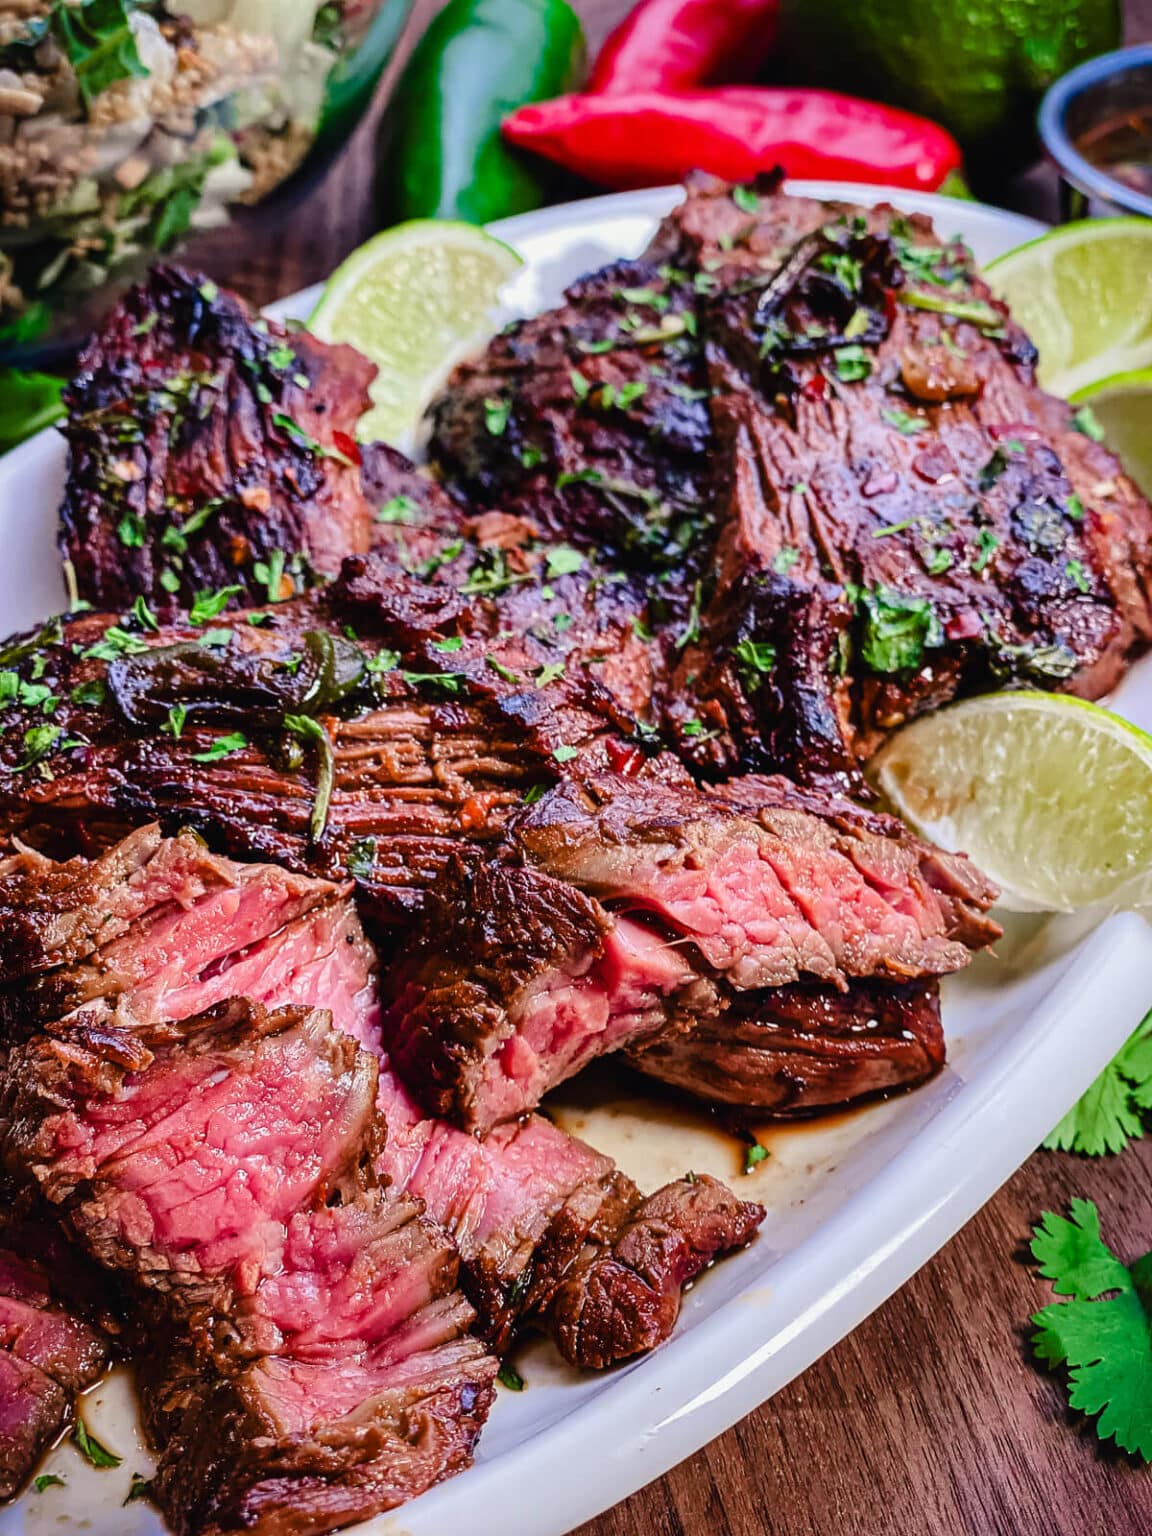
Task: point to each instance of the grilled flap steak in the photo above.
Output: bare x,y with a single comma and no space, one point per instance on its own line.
895,513
51,1347
530,1209
642,912
209,451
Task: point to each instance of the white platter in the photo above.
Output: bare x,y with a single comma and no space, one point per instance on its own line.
854,1207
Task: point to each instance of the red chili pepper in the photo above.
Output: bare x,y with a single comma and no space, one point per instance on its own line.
347,445
650,138
671,45
816,388
624,759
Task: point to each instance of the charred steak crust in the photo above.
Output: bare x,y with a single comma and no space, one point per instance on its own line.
209,450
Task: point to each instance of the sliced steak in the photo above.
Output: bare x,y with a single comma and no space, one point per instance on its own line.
47,1355
769,884
223,1164
801,1049
209,450
513,982
521,1205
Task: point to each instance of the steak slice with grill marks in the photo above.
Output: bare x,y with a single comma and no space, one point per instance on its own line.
649,917
804,1048
208,450
521,1206
224,1168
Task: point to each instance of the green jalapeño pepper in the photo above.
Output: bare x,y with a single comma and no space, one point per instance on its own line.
441,154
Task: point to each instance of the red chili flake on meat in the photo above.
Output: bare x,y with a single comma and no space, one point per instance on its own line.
890,305
347,445
935,464
473,814
880,482
816,387
624,759
965,625
1018,429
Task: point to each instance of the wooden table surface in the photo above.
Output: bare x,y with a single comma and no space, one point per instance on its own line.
930,1419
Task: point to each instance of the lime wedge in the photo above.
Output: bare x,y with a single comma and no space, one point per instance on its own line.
1084,295
1122,405
414,299
1051,796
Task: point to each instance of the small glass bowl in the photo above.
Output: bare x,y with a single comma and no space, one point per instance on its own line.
1103,99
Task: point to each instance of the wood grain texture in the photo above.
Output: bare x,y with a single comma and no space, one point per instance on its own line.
929,1420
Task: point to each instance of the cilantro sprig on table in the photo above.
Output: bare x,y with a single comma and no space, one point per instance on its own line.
1116,1107
1102,1333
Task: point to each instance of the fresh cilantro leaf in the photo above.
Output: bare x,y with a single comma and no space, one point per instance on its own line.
450,682
130,530
549,674
223,746
896,629
114,643
48,1480
1079,577
221,638
501,670
646,296
28,401
452,643
754,658
360,859
209,605
144,615
786,556
97,38
92,693
987,543
563,561
91,1449
401,509
580,385
1103,1333
904,423
508,1376
746,200
852,364
270,574
1111,1113
174,725
39,742
565,754
754,1155
1074,508
1086,421
496,414
141,1488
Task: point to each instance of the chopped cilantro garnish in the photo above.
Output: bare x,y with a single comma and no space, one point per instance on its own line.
401,509
39,742
563,561
691,631
143,614
537,792
302,440
786,556
530,455
450,682
549,674
169,581
114,643
282,357
641,630
904,423
987,543
141,1489
975,311
130,530
217,638
844,268
501,670
48,1480
1102,1334
580,385
852,364
91,1449
1086,421
755,658
360,859
508,1376
210,605
938,562
565,754
1076,574
223,746
174,725
496,414
452,643
646,296
896,628
270,574
889,529
754,1155
90,694
746,200
1074,508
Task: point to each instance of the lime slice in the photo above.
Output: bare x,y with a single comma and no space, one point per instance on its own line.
1123,407
1051,796
414,299
1084,295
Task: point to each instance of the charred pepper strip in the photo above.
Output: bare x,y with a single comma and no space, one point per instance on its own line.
671,45
650,138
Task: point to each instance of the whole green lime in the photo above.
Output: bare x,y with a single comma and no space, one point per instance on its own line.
977,66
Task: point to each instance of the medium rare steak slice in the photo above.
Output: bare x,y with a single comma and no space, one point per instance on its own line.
47,1355
769,884
513,982
521,1205
209,451
905,516
223,1165
801,1049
